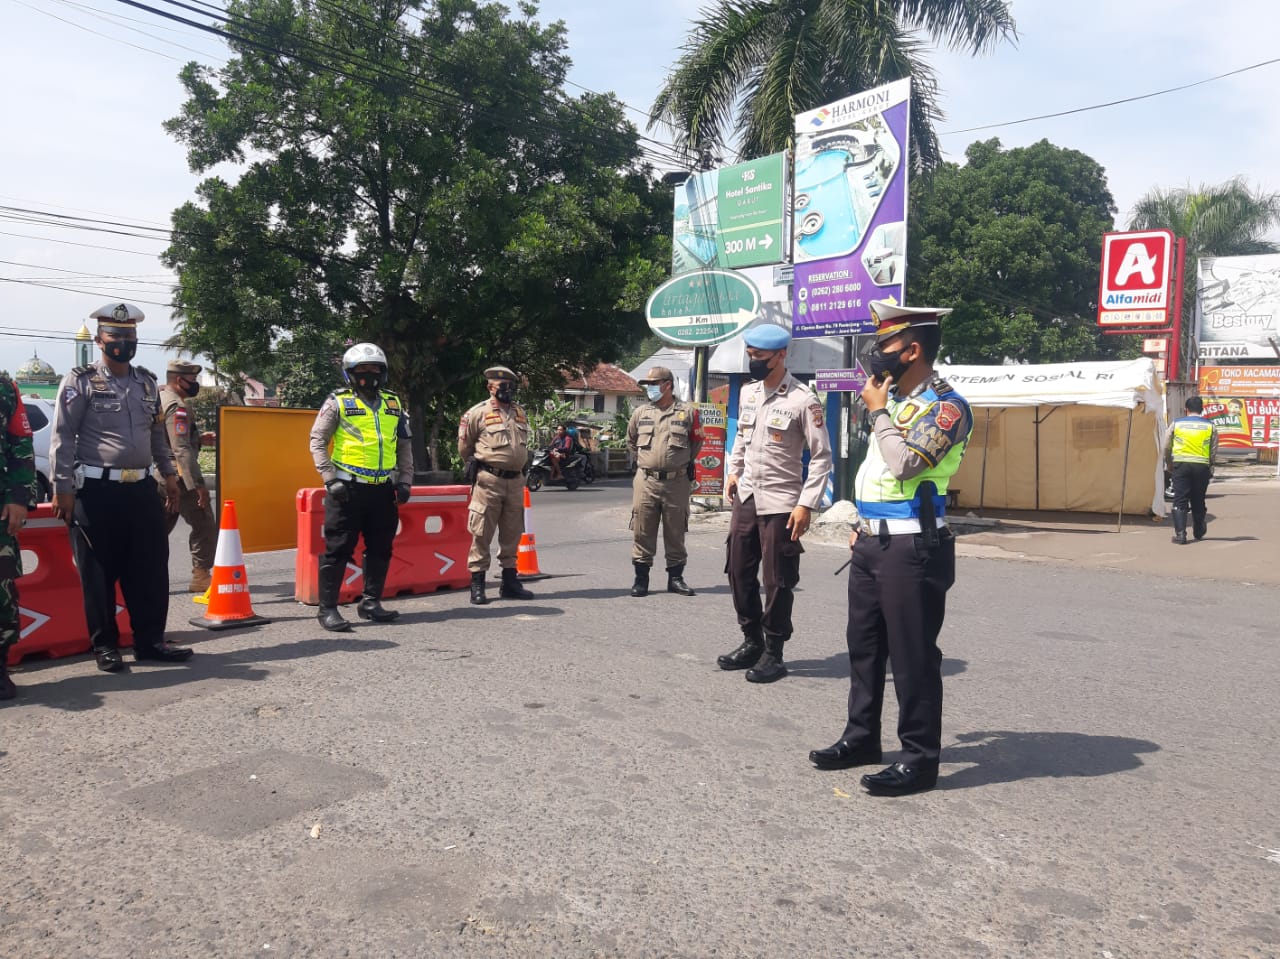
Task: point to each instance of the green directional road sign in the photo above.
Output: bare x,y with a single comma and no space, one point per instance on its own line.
702,308
732,217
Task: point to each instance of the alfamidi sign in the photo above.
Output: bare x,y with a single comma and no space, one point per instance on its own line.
1136,270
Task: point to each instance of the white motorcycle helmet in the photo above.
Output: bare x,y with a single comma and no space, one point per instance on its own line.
362,353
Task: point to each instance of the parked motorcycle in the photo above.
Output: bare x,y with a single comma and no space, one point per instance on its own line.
572,471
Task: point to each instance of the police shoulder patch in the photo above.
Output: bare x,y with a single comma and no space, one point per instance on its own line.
947,414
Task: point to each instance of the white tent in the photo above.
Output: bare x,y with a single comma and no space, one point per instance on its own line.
1065,436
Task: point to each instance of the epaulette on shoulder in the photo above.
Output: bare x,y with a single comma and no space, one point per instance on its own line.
342,391
146,372
81,370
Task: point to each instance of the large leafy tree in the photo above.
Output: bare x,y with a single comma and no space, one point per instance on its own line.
1224,219
411,173
749,66
1012,241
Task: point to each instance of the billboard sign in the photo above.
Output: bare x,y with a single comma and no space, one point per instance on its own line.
1238,307
849,219
1256,381
1244,422
840,381
702,308
709,467
1136,269
731,217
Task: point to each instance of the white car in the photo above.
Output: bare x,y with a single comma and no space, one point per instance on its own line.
40,415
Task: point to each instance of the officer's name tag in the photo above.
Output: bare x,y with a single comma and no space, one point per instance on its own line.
779,419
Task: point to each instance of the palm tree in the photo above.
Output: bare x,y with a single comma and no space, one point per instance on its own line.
749,66
1224,219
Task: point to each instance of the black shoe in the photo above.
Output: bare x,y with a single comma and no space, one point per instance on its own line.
373,609
1199,527
641,586
511,587
329,618
900,779
769,668
745,656
845,755
110,661
676,584
1180,538
164,653
7,689
478,598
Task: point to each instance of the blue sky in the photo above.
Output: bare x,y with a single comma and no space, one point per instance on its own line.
82,117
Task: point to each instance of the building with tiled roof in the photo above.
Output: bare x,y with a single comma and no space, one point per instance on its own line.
605,389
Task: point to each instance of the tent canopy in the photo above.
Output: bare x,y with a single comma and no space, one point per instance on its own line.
1064,436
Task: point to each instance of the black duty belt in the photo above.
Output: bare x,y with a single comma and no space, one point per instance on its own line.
501,474
662,474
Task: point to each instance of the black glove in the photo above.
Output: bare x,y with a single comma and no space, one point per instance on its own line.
338,491
402,493
690,470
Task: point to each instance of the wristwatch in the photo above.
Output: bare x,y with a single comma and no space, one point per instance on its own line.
875,413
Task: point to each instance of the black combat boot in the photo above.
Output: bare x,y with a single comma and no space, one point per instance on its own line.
746,655
1180,527
375,580
478,598
7,689
675,581
511,587
769,668
1199,525
330,585
641,586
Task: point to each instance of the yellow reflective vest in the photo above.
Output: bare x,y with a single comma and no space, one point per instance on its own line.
1192,440
365,442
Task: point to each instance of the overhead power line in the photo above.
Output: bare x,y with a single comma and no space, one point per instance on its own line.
1114,103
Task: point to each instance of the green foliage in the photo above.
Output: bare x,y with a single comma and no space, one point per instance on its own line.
1012,241
749,66
442,197
545,415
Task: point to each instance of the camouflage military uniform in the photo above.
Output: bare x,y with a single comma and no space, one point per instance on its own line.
18,481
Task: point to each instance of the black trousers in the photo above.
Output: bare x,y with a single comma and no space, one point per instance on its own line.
1190,483
369,511
754,541
118,536
897,601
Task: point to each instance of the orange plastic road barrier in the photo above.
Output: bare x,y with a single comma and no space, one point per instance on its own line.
229,604
51,605
429,552
527,558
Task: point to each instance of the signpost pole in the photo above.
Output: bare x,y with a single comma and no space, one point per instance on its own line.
846,428
1175,350
700,363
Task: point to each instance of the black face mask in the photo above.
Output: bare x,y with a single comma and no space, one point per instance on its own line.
120,351
758,369
881,364
369,382
191,389
505,393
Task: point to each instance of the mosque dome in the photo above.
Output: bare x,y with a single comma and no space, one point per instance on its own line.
36,372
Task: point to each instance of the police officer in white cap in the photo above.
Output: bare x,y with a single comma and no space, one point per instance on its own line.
778,420
493,440
904,557
366,477
108,439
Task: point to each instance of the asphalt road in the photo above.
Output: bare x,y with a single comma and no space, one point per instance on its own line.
573,776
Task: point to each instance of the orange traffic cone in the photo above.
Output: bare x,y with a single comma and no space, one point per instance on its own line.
229,604
527,558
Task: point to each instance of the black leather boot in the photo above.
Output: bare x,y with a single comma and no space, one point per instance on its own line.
1199,525
330,582
769,668
375,579
641,586
478,598
511,587
676,583
7,689
746,655
1180,527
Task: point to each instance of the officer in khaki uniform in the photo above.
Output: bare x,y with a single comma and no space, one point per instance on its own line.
779,418
493,440
664,437
108,440
193,499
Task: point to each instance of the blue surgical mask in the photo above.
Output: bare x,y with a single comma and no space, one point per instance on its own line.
654,392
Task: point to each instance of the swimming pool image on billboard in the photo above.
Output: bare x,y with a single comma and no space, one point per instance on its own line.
825,217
